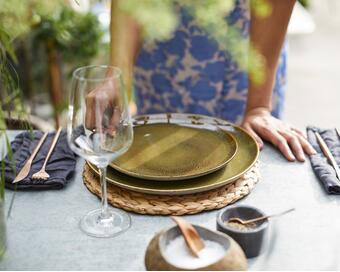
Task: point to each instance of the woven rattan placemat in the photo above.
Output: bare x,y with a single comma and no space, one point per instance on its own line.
174,205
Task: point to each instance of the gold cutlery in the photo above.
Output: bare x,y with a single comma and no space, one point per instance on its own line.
328,154
27,167
245,222
42,174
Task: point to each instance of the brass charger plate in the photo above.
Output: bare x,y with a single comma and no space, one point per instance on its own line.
171,151
174,205
245,158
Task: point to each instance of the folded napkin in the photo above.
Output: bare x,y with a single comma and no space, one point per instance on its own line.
322,168
60,165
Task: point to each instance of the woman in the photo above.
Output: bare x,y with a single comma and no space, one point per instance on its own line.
191,73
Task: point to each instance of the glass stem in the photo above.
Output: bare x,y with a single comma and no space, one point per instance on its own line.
104,213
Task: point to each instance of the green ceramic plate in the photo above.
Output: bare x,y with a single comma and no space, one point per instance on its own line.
244,159
170,151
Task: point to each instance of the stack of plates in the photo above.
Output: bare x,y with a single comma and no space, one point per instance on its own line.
176,154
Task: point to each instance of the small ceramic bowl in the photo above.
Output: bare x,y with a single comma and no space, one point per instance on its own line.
156,260
251,240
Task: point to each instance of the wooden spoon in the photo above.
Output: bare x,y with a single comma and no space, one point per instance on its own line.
190,234
245,222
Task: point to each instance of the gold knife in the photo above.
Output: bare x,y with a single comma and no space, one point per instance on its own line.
328,154
27,167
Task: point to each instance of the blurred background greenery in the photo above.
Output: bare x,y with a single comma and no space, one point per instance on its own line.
47,38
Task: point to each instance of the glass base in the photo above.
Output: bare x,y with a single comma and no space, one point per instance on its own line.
112,224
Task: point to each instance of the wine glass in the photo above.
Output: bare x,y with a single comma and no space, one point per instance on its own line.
100,130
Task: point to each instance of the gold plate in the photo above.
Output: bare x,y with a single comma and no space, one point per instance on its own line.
244,159
167,151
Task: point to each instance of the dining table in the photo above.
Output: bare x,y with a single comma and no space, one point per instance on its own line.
43,227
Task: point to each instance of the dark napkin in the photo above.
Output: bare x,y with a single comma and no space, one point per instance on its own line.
60,165
322,168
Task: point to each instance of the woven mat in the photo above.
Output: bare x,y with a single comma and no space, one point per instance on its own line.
174,205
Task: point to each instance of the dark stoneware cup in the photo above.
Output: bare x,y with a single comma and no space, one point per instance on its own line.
251,240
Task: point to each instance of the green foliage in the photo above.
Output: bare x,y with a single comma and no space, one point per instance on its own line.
261,8
305,3
5,47
160,18
7,84
2,179
18,16
76,36
10,98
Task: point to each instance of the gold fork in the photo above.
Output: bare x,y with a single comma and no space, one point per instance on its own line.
42,174
28,164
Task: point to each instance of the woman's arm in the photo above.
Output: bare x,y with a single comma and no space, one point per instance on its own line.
267,36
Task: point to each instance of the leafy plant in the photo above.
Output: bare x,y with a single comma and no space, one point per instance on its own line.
7,86
17,16
9,95
16,20
68,37
76,36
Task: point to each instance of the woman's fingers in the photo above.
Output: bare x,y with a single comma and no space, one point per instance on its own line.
307,147
281,143
294,144
98,112
253,133
270,134
298,131
289,140
89,114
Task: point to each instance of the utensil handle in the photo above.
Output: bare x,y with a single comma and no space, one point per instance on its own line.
269,216
282,213
55,139
37,148
328,154
337,132
323,146
190,235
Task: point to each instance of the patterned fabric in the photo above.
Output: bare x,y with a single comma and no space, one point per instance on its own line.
190,73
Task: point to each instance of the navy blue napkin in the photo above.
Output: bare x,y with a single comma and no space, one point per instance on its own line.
60,166
322,168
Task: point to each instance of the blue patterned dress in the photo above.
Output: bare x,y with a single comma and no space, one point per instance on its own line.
190,73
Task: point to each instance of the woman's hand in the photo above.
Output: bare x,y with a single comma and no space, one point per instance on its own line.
102,108
289,140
